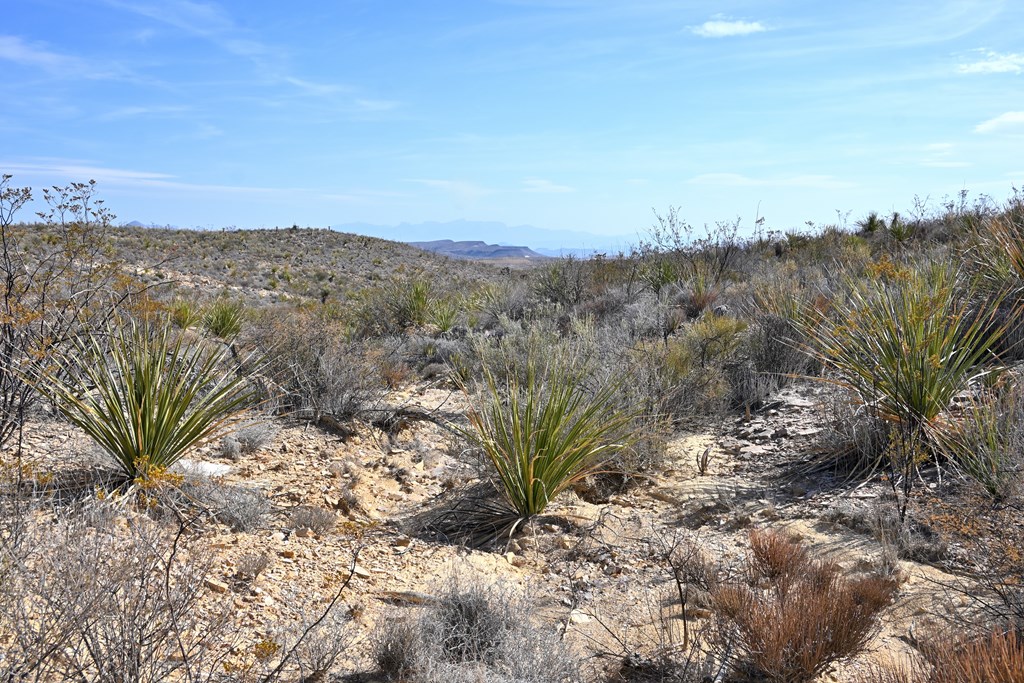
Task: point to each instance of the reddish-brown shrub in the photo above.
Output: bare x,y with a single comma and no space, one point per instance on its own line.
998,656
807,617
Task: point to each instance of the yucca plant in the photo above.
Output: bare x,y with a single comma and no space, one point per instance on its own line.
145,396
185,313
443,314
905,349
546,433
224,318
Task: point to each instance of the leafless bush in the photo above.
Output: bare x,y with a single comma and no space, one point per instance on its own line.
321,375
241,508
774,556
56,279
93,600
995,656
92,595
251,565
230,448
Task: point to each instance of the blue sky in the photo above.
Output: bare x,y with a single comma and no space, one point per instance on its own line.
575,114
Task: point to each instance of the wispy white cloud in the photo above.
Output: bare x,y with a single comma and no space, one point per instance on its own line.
994,63
545,186
132,112
79,171
313,88
820,182
461,188
1011,119
40,56
364,104
59,171
721,27
214,24
197,18
939,155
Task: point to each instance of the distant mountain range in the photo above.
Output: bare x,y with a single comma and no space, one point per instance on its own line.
477,250
537,240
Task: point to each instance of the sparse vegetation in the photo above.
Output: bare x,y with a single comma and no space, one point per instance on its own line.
611,402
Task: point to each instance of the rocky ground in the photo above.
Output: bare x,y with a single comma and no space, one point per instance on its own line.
595,571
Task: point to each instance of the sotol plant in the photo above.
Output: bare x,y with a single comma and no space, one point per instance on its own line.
145,396
905,349
546,433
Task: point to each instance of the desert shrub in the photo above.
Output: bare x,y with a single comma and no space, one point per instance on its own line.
230,448
699,293
692,366
996,656
250,565
799,616
241,508
854,437
546,433
473,633
564,281
316,371
391,308
315,519
90,599
57,279
253,436
145,397
774,556
223,318
493,301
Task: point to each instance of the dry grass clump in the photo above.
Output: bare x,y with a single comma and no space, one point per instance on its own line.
311,518
795,617
473,633
995,657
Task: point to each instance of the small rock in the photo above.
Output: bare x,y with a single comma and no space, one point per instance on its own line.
305,533
215,585
780,433
577,617
288,554
361,572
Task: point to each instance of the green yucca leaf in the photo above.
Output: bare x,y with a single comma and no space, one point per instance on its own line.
144,397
